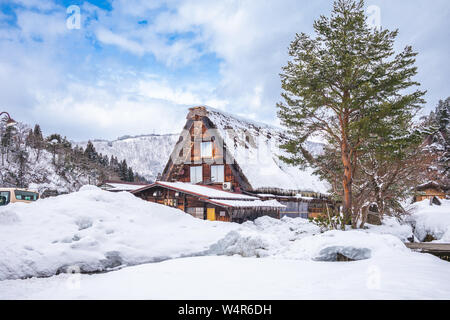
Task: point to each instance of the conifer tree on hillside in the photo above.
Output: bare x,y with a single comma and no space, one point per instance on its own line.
348,86
90,152
130,175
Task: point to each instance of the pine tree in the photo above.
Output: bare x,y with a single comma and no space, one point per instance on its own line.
90,152
348,86
130,175
6,142
123,170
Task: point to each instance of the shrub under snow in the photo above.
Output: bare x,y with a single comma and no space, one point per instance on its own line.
263,237
300,239
431,220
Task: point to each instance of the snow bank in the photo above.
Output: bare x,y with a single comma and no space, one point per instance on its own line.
391,225
431,220
263,237
96,230
412,276
355,244
300,239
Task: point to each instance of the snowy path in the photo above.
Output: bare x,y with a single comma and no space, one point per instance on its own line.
420,276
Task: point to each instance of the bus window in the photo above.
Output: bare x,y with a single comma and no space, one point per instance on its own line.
5,194
25,195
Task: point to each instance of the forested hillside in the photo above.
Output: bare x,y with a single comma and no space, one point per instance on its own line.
147,154
52,165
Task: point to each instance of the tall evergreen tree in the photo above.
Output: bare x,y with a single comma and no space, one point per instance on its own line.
90,152
348,86
130,175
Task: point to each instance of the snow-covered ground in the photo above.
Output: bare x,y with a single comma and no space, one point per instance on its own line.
154,252
399,276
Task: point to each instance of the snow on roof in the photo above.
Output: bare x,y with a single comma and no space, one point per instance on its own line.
248,204
201,190
255,147
118,186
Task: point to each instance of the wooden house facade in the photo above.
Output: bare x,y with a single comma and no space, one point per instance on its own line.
430,190
219,151
207,202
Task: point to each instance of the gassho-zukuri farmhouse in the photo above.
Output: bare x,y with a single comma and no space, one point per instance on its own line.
227,168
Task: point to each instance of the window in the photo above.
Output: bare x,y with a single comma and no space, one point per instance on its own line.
217,173
206,149
24,195
196,212
196,174
4,198
171,202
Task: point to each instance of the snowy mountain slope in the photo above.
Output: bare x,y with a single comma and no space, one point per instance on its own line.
146,154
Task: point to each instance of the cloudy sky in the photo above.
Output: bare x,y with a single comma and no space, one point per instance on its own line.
133,67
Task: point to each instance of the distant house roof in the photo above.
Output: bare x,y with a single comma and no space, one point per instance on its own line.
117,186
255,148
432,185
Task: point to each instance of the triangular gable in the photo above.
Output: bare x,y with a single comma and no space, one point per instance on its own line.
252,149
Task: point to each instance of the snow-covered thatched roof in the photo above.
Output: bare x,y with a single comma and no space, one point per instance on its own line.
255,148
121,185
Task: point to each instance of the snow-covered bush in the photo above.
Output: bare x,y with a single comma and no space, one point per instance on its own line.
301,239
392,225
353,244
263,237
431,221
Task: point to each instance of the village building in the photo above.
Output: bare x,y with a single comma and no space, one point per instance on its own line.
430,190
208,202
221,153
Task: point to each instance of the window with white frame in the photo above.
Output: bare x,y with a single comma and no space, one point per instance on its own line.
196,174
217,173
206,149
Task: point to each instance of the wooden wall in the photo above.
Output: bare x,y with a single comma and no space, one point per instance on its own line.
430,193
199,134
182,202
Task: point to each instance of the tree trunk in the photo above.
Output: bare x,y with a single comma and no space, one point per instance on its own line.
364,213
347,184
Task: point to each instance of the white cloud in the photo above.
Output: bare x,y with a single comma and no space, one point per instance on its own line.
110,98
45,26
108,37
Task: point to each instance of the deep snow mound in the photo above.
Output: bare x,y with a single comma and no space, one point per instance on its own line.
95,230
431,220
300,239
392,225
263,237
353,244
